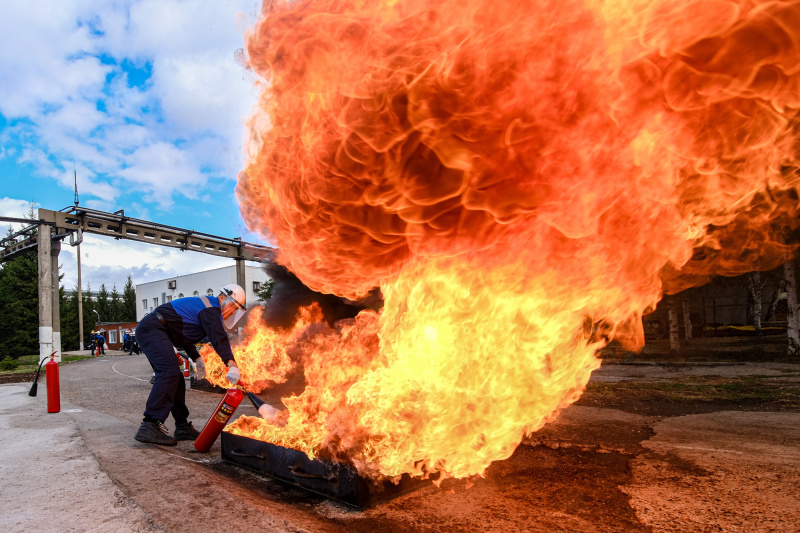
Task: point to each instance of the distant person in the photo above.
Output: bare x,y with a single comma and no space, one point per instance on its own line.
101,341
182,323
132,346
92,341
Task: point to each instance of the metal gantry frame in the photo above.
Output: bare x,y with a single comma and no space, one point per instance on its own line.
52,227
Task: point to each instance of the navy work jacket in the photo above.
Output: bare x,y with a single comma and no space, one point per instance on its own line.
189,321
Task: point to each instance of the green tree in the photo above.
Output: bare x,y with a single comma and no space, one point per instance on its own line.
265,292
19,306
115,305
19,302
129,301
103,304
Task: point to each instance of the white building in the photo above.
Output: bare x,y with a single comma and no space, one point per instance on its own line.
208,283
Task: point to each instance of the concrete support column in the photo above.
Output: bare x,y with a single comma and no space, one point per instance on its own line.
55,249
240,281
45,293
240,270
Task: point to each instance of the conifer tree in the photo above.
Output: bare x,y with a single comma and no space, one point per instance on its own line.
103,304
129,301
115,305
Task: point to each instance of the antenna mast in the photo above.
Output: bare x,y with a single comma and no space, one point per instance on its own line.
76,181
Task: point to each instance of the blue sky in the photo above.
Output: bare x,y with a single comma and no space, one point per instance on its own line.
148,100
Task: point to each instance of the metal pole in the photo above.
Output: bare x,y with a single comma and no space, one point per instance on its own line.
80,301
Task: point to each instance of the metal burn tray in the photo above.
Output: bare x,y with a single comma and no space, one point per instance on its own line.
335,481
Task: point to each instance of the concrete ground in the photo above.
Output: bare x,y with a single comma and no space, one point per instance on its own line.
593,470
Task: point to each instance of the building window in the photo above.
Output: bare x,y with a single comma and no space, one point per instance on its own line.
144,304
172,284
168,299
256,286
112,337
180,295
195,293
209,292
155,302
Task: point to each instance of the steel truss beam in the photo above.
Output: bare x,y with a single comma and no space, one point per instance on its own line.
119,226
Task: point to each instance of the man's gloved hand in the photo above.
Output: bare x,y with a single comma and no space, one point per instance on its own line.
201,369
233,375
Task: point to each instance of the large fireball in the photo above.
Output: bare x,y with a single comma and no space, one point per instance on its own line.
508,173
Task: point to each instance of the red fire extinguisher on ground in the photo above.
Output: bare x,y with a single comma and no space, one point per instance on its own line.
221,415
53,390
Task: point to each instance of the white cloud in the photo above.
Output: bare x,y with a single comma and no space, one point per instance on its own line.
38,158
181,27
13,208
100,205
161,169
77,118
128,136
40,54
196,93
139,211
163,138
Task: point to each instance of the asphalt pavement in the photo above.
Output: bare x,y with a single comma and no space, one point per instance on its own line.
81,470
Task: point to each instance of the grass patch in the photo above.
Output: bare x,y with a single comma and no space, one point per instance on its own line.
771,348
693,389
72,358
29,363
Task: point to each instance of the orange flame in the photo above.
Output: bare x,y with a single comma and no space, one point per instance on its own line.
507,173
265,356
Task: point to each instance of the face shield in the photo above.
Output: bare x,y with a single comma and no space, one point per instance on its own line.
232,312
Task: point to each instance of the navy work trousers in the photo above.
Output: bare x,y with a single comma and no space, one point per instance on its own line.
168,394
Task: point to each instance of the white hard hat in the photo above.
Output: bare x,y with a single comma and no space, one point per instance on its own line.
233,295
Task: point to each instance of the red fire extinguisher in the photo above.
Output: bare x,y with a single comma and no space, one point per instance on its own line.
53,390
221,415
183,361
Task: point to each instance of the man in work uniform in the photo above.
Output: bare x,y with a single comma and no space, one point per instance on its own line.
182,323
92,341
101,341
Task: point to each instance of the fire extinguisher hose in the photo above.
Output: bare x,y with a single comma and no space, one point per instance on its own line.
35,384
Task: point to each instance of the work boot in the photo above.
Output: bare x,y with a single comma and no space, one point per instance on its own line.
154,433
186,431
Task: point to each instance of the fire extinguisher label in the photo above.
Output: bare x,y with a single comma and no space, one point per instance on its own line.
224,413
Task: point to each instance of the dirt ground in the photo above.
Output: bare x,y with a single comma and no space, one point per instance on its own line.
651,446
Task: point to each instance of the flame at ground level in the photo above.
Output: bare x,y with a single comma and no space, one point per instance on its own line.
512,175
460,365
